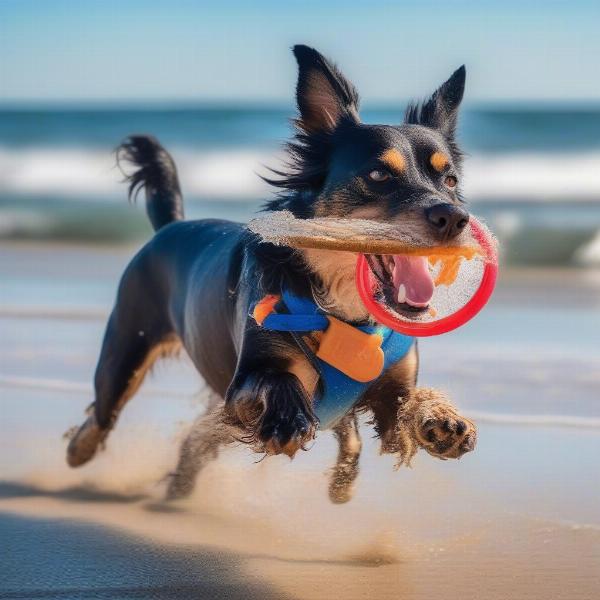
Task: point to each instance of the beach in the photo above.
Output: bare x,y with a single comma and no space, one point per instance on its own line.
117,117
517,518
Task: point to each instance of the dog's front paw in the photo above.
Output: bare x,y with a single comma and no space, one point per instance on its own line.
276,411
286,431
439,428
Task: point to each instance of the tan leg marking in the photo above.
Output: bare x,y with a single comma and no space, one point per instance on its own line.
170,346
85,440
305,372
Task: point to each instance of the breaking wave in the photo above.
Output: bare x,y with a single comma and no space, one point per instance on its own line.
82,173
77,193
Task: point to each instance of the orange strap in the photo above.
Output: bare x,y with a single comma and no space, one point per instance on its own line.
265,307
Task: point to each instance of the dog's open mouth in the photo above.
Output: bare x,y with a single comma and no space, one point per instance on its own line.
406,281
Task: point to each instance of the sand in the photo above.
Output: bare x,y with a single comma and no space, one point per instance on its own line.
518,518
268,531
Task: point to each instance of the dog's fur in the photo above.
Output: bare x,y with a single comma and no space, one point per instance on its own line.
194,282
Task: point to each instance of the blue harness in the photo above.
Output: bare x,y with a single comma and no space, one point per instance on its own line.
340,392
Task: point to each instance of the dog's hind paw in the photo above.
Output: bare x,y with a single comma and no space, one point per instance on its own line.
439,429
84,442
341,484
179,486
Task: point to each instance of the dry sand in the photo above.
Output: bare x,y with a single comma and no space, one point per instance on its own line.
267,530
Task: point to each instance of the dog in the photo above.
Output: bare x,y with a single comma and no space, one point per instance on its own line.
195,285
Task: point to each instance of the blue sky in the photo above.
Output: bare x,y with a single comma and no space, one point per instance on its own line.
161,50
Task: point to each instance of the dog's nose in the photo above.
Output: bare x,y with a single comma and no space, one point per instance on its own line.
448,220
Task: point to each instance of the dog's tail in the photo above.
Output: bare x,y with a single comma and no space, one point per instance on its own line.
157,174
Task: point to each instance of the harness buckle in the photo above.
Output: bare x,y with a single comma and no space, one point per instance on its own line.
353,352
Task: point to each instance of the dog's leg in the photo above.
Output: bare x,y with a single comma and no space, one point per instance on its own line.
135,337
275,411
407,418
385,398
270,396
345,471
201,446
121,370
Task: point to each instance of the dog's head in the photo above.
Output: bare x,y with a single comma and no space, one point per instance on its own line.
407,174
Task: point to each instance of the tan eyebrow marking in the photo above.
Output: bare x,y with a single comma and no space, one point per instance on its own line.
393,160
439,161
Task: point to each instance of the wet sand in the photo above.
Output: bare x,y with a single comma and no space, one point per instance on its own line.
270,533
517,518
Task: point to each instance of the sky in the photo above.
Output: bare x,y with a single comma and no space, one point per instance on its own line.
183,50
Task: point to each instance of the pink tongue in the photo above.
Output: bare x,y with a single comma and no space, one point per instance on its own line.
413,273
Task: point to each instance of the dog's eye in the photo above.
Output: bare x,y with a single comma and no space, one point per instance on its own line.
379,175
451,181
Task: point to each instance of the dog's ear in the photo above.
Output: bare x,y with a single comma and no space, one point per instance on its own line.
441,110
325,97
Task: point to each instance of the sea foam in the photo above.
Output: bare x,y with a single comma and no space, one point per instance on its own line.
234,174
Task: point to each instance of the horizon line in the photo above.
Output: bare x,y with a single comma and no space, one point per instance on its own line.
269,103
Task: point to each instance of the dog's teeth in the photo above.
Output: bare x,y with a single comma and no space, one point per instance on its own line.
389,263
401,293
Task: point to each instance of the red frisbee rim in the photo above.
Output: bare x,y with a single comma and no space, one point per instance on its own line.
367,284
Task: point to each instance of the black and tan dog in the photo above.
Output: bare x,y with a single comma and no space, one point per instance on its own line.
193,285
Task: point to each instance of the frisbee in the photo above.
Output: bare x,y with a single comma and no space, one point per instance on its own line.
433,292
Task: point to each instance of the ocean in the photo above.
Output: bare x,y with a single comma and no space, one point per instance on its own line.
531,171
